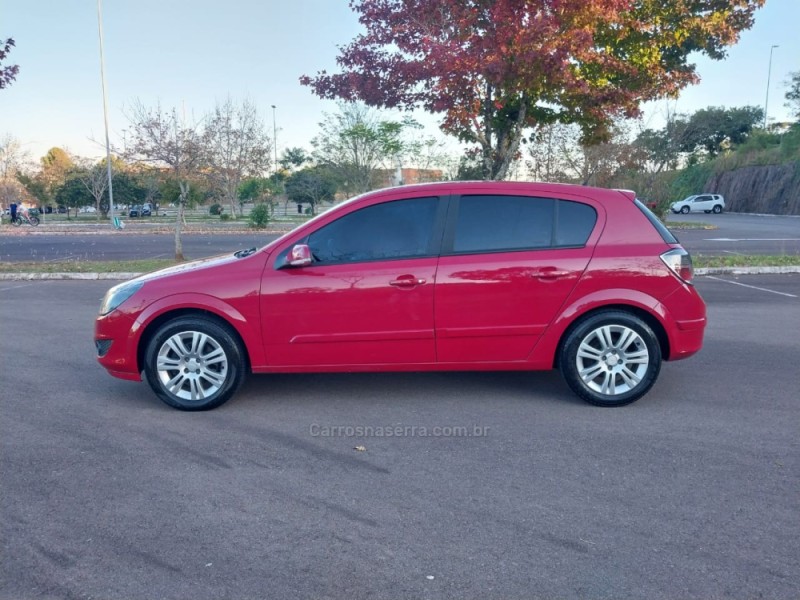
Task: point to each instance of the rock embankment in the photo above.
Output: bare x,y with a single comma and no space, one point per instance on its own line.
773,189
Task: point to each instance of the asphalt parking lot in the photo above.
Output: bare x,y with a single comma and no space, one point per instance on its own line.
692,492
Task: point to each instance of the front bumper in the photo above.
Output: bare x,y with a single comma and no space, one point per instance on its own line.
116,345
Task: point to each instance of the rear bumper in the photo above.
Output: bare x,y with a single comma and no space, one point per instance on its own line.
687,338
687,313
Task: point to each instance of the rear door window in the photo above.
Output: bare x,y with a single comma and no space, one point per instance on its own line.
509,223
497,223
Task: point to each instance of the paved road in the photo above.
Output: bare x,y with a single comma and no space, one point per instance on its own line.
59,247
736,234
690,493
741,234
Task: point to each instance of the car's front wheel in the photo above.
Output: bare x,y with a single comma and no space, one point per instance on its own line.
685,210
611,358
194,363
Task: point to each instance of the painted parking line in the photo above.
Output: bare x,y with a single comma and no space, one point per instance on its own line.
15,287
752,287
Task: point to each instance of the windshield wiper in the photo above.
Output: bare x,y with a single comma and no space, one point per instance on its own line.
243,253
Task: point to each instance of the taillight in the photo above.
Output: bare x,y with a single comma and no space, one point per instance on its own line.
680,262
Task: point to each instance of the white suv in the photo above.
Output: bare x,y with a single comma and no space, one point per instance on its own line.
706,202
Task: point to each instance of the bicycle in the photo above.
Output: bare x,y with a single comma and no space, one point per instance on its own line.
31,220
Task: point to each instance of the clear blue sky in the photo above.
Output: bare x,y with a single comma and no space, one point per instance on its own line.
191,53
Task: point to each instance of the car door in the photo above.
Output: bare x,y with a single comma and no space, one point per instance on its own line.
367,298
704,202
507,266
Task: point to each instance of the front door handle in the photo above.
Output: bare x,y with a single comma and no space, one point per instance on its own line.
549,273
407,281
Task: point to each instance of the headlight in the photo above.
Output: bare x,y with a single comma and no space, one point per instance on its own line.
118,294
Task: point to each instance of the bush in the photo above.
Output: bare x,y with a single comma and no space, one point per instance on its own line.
224,217
215,209
259,216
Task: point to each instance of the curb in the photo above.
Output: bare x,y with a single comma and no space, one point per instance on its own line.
124,276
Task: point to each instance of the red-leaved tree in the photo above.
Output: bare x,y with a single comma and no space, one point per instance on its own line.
7,73
497,68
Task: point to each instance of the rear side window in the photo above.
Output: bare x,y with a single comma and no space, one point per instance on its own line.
505,223
665,233
493,223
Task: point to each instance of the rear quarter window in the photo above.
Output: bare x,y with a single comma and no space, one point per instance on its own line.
575,223
665,233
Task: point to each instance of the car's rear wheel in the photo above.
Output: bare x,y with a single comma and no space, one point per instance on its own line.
194,363
612,358
717,209
685,209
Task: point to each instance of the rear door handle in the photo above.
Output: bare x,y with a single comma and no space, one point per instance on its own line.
407,281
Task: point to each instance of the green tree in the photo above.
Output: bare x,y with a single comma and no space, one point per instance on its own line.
716,129
56,167
793,94
128,189
312,185
294,158
356,141
72,193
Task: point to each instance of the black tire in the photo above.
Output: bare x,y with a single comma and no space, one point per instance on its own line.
637,359
205,374
685,210
34,221
708,212
717,209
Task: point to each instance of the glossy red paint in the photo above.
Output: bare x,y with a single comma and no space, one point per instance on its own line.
442,310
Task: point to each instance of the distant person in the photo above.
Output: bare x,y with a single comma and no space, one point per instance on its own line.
13,209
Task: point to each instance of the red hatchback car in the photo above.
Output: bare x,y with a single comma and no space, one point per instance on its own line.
447,276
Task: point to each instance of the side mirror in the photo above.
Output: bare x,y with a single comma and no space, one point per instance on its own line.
300,256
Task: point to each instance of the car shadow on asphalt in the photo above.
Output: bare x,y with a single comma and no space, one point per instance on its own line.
407,388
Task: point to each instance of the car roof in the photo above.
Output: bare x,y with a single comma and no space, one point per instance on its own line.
455,187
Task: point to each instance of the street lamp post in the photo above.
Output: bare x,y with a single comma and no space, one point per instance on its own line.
275,139
769,74
105,116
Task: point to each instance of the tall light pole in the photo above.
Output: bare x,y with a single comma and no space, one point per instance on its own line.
105,115
275,139
769,74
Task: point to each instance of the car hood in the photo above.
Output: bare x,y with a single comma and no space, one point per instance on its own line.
194,266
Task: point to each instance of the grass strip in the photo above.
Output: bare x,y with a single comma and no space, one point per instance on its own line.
749,260
88,266
683,225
